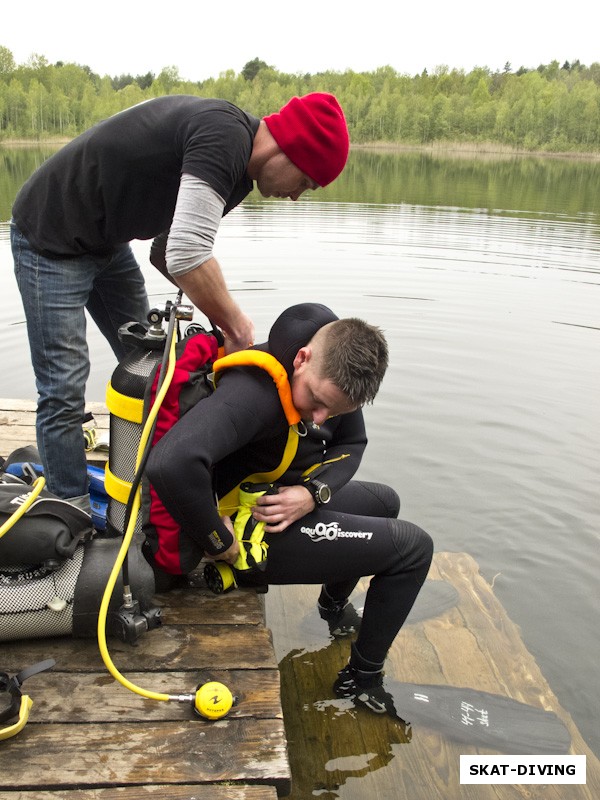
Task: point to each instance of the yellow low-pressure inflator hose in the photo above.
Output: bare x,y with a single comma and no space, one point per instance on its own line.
36,487
128,536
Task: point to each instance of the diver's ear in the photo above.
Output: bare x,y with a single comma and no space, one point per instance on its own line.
302,358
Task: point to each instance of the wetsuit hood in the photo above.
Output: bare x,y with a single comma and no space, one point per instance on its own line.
294,328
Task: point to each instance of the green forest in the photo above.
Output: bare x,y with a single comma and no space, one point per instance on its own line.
549,108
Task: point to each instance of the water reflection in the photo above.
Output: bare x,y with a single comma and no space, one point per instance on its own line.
498,184
16,165
331,742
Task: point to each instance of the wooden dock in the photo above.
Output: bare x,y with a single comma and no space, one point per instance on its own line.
17,425
90,739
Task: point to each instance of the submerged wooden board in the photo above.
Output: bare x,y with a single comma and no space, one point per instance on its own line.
473,644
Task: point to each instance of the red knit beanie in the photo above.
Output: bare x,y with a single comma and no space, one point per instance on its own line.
312,132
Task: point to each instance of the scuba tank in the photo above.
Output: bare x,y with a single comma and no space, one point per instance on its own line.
125,399
131,429
125,402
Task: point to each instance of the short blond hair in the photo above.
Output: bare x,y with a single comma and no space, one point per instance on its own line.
353,355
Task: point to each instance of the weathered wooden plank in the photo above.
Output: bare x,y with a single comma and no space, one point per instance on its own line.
198,606
214,791
98,697
24,421
173,647
17,426
472,644
13,436
123,753
16,405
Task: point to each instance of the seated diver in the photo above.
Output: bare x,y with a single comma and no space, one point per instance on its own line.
321,527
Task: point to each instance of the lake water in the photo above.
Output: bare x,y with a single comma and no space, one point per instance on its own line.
485,275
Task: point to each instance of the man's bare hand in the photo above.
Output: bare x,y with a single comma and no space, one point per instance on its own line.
241,336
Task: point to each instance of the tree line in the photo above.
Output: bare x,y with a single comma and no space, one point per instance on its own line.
552,107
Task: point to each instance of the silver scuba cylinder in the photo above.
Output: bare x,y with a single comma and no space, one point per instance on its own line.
125,399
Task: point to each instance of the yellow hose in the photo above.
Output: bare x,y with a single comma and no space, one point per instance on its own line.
37,487
25,708
103,614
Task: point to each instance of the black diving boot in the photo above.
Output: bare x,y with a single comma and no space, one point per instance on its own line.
364,689
362,682
340,615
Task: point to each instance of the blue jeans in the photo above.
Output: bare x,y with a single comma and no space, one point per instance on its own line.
55,294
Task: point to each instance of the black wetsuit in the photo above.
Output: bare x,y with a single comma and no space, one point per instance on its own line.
241,429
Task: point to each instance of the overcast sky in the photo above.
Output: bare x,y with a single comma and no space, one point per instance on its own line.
202,39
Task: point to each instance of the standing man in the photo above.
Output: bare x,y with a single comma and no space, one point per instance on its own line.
167,169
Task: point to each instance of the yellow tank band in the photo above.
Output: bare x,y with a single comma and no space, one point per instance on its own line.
129,408
116,487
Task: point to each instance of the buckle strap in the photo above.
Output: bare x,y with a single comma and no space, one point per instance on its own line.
20,703
27,672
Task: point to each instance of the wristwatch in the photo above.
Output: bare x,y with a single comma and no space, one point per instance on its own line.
320,491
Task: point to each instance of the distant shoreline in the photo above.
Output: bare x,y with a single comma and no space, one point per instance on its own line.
455,149
33,142
466,149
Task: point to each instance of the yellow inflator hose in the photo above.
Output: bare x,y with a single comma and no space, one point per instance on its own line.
128,536
17,727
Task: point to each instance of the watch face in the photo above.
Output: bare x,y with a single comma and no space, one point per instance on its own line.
324,493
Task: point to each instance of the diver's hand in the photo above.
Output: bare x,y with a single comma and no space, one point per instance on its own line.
278,511
230,555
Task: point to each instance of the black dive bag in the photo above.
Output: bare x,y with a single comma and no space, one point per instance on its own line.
53,565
